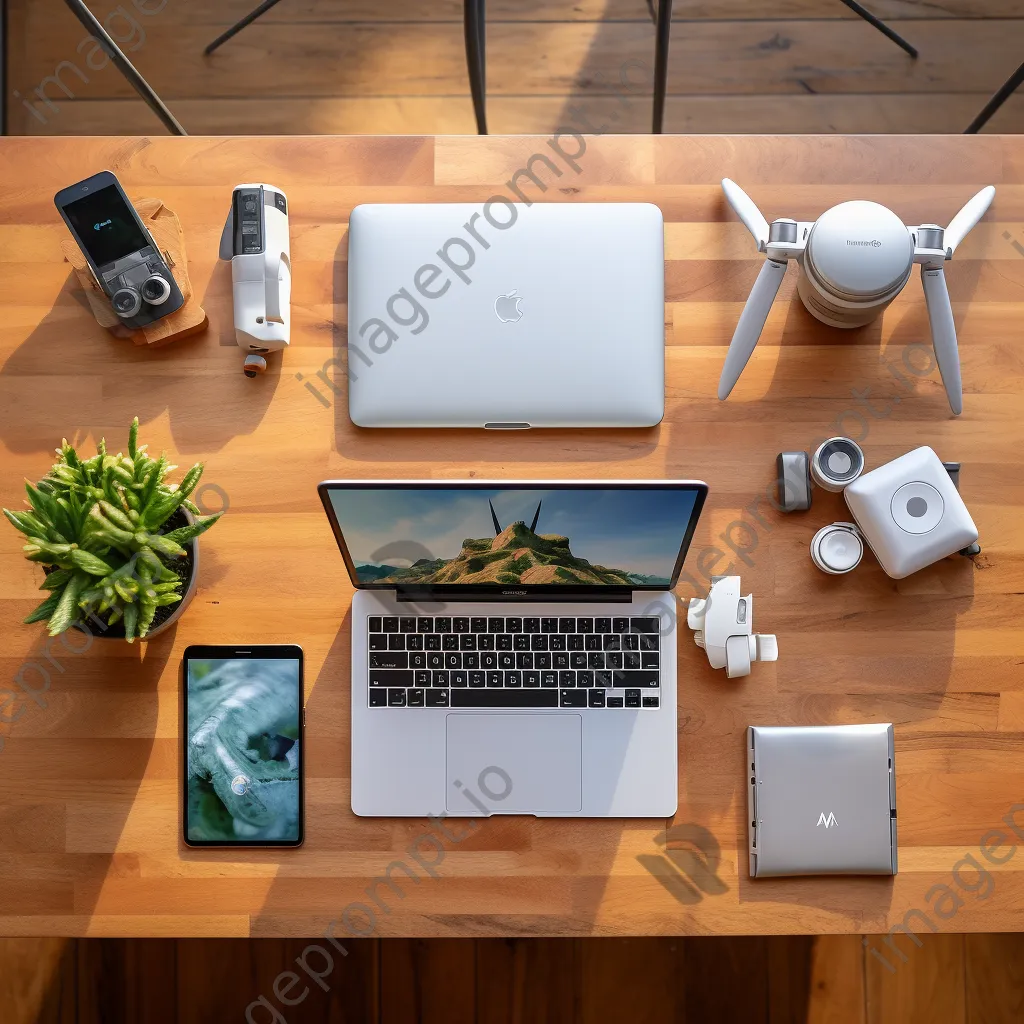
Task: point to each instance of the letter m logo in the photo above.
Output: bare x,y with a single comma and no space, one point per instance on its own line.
829,821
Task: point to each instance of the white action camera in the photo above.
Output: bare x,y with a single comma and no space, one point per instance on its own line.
256,241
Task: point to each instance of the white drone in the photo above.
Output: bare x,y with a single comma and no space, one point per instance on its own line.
854,260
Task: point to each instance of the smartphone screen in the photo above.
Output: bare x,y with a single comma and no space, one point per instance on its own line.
105,225
243,746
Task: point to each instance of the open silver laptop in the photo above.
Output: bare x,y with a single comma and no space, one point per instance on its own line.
822,800
505,315
514,644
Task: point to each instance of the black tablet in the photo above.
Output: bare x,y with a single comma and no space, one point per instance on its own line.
242,740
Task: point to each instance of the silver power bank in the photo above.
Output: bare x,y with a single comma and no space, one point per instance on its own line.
821,800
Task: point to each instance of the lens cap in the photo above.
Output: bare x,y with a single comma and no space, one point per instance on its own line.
837,549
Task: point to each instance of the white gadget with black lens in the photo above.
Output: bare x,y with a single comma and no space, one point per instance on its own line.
122,255
256,241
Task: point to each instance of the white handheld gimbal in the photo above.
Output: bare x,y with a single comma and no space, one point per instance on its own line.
256,241
723,624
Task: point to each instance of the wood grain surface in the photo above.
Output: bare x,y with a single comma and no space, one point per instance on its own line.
348,66
89,768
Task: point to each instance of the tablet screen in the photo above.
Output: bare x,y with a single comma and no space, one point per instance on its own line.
243,749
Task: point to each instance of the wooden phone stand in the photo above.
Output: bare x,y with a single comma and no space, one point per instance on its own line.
163,225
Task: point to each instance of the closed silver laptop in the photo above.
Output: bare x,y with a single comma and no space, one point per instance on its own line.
514,644
506,315
821,800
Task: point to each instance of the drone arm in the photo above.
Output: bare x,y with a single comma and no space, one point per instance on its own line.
940,317
752,321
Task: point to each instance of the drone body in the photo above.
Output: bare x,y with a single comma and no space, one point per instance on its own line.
854,260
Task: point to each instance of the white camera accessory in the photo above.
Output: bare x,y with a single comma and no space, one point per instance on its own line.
854,260
836,463
910,513
723,624
256,241
837,549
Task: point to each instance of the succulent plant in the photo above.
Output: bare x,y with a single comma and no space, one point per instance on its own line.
96,524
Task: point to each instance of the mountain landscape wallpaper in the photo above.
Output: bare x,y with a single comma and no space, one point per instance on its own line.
614,537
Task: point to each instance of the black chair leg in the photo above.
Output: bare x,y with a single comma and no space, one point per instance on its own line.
663,28
1009,87
125,66
239,25
864,13
475,25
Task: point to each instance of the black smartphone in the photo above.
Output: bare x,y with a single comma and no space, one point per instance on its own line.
125,260
242,750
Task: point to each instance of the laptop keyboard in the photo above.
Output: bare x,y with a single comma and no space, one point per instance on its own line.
514,662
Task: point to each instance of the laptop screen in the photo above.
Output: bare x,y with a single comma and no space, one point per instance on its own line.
537,537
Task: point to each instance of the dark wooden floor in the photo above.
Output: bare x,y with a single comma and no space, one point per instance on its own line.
347,66
949,979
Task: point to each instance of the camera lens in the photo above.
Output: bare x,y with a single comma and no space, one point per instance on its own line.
126,302
155,290
837,462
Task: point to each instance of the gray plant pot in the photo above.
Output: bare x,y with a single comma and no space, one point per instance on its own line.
190,587
116,632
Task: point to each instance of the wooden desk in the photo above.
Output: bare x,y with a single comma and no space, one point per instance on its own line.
89,833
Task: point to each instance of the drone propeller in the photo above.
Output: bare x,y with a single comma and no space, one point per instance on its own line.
747,211
752,321
761,297
973,210
940,318
936,297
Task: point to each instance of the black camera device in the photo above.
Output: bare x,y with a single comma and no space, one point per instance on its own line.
121,253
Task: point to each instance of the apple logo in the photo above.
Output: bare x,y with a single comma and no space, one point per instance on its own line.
506,307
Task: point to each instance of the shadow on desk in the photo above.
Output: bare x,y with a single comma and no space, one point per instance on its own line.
884,374
513,875
79,749
866,648
72,378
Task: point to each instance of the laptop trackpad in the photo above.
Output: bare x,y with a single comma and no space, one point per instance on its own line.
514,764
